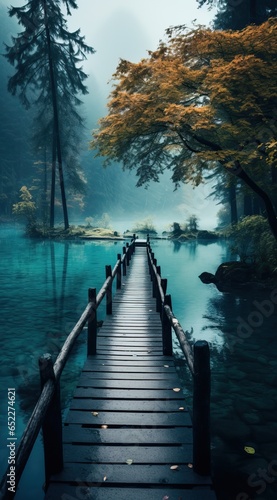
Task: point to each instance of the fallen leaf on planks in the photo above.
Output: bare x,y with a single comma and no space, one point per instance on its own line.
174,467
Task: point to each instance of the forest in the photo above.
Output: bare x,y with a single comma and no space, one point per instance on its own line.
211,96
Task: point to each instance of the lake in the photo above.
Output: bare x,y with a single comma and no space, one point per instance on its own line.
43,292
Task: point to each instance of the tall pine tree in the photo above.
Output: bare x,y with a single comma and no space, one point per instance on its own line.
237,14
46,58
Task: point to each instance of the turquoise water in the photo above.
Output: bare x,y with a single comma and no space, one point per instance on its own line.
43,292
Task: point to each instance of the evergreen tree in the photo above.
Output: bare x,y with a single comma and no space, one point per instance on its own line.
237,14
46,57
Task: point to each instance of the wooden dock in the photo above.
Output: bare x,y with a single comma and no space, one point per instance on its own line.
128,434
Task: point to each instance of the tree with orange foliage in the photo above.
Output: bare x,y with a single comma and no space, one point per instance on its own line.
203,99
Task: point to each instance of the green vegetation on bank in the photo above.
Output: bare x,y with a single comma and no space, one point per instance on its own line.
190,231
254,243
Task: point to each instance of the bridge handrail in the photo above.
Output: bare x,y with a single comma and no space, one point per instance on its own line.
184,344
50,377
198,361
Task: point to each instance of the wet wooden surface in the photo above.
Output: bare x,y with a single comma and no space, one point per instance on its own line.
128,433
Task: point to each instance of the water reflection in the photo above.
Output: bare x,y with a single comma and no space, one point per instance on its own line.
244,371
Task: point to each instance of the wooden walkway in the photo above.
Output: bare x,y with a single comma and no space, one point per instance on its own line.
128,434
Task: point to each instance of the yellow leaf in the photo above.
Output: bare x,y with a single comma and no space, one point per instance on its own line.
95,413
181,408
166,366
105,478
250,450
129,461
174,467
190,466
176,389
104,426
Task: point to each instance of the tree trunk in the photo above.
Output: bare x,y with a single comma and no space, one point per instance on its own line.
247,204
233,203
53,182
57,139
256,205
270,212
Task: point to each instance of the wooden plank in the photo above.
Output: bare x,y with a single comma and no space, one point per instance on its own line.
99,418
126,474
126,405
75,434
116,370
137,332
88,380
120,454
148,361
82,392
62,491
126,374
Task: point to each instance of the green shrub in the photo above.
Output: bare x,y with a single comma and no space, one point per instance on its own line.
26,208
254,242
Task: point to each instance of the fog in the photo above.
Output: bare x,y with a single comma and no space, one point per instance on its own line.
128,29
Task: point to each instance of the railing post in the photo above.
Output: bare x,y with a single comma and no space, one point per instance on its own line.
201,408
118,273
109,297
134,243
166,328
164,287
152,257
154,280
127,254
124,261
52,425
158,295
92,324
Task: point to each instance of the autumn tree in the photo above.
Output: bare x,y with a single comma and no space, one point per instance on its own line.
47,74
204,99
237,14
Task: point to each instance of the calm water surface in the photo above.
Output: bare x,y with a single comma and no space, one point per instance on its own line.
43,292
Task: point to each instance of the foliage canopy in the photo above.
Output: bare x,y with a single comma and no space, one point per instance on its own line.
203,99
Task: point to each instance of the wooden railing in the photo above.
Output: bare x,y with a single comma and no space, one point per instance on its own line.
198,361
47,411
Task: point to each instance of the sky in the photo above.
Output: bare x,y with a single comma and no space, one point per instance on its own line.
127,29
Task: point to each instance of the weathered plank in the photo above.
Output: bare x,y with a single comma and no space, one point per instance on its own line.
120,454
83,392
130,474
85,435
88,380
126,405
82,490
97,419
